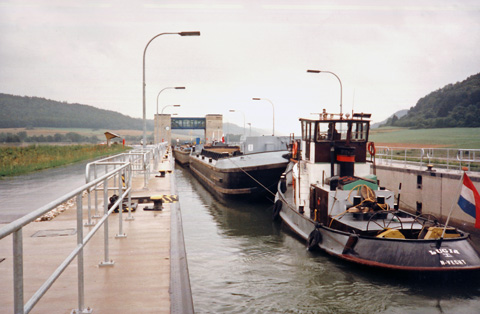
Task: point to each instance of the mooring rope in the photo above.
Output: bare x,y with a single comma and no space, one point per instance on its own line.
259,183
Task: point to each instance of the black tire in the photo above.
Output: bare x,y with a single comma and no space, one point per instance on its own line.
276,209
314,239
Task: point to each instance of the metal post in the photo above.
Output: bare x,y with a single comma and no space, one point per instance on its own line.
120,233
106,261
145,171
130,217
80,266
18,271
97,215
89,222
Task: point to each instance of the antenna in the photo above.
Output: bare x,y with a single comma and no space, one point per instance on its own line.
353,100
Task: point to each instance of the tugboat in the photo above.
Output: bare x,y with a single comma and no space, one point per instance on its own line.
229,172
328,197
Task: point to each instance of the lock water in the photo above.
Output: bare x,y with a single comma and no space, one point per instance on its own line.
240,261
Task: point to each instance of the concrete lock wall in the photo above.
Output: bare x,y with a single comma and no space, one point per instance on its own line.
163,128
213,127
428,192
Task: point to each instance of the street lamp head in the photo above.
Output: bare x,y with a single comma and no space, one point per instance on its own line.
232,110
256,99
176,105
313,71
180,87
189,33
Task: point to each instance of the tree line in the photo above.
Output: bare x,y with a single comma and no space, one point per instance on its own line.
27,112
455,105
71,137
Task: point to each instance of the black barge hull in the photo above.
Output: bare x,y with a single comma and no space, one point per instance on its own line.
238,182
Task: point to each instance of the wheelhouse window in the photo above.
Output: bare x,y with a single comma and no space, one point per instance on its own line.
360,131
308,130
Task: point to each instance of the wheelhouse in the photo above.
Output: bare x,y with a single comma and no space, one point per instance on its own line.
328,139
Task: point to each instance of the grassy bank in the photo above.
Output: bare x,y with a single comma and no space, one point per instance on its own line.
19,160
468,138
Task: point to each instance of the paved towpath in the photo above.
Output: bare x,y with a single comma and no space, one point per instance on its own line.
139,280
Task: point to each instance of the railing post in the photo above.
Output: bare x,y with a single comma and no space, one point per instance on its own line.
106,261
80,267
89,222
144,171
18,271
120,233
129,184
97,215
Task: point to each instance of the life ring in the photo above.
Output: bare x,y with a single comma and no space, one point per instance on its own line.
371,148
295,149
314,238
276,209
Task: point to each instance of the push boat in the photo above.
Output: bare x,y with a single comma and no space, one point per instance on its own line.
249,172
328,196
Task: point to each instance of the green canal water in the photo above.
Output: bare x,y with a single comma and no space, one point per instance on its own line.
240,261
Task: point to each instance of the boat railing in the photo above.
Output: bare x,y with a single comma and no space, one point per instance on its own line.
440,158
123,187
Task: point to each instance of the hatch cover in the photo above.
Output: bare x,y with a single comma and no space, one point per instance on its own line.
54,233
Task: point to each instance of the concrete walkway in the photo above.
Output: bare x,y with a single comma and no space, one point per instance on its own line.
137,282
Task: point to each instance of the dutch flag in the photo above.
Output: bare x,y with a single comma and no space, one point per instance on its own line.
469,200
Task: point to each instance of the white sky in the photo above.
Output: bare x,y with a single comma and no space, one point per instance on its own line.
388,54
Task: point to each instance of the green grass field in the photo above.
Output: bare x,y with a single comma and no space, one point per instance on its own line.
19,160
448,137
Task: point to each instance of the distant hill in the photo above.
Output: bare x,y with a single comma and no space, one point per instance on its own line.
24,112
388,121
455,105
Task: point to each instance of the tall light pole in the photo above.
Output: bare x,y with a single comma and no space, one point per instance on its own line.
179,87
273,111
233,110
143,84
169,106
160,135
319,71
158,117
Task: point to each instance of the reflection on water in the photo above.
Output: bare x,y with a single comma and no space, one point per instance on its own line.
242,262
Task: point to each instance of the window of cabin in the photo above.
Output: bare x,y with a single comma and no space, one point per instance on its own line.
304,130
342,129
307,130
360,131
321,131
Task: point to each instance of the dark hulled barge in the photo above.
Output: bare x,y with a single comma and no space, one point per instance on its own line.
329,198
229,173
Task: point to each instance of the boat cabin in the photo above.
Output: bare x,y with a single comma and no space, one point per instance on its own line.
330,139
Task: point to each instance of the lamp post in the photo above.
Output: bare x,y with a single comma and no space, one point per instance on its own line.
178,87
160,135
143,84
273,112
319,71
232,110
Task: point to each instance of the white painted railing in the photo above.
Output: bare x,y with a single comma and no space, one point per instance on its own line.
445,158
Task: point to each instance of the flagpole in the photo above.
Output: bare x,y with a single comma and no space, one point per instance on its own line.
453,206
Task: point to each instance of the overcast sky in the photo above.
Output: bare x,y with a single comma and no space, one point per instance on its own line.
388,54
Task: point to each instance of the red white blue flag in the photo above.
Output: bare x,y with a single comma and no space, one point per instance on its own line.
469,200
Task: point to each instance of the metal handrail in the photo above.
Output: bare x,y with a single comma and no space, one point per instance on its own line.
447,158
15,229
